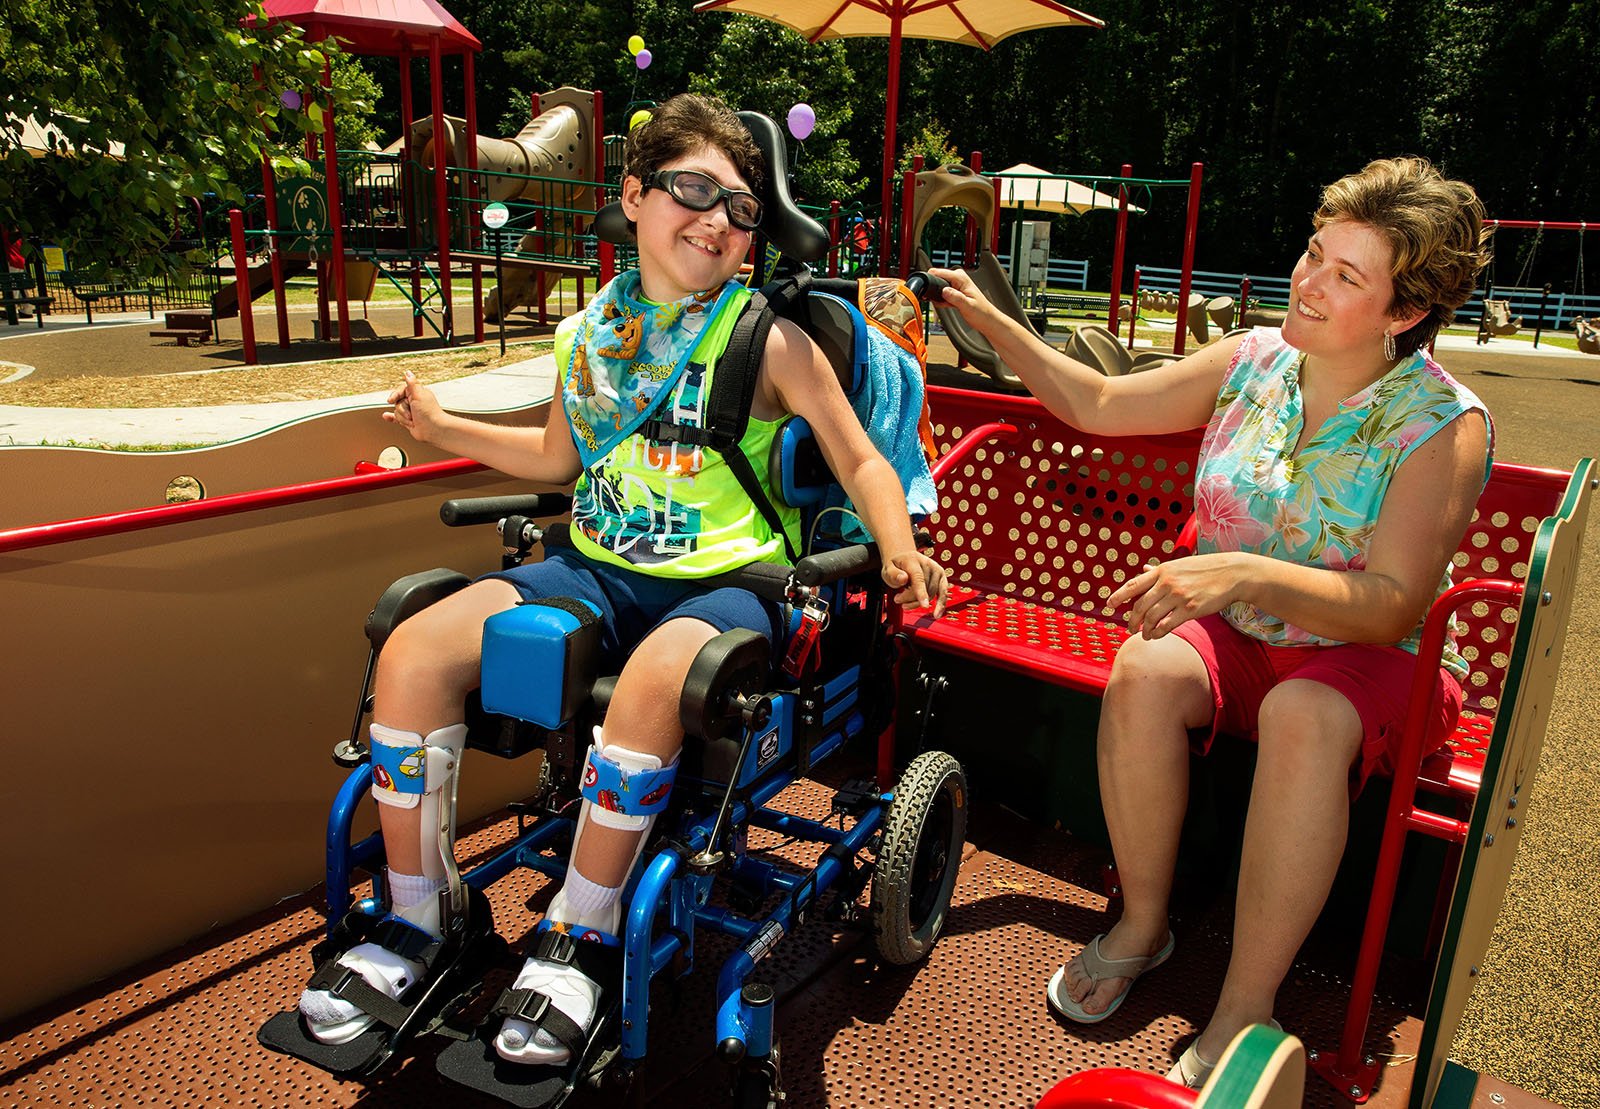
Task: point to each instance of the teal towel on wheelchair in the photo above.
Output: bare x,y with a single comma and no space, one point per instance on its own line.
888,405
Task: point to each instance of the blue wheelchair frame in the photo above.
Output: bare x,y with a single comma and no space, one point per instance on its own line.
666,882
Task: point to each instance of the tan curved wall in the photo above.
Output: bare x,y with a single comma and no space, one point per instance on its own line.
170,697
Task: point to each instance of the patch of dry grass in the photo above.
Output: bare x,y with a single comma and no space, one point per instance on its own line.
259,384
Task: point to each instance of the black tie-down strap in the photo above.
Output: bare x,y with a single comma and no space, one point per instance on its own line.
347,984
535,1008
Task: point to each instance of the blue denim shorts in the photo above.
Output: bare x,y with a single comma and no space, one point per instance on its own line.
632,605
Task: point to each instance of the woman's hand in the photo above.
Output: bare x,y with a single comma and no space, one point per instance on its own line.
918,580
416,409
1167,594
965,297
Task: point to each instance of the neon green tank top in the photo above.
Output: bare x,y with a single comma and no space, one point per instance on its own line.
674,510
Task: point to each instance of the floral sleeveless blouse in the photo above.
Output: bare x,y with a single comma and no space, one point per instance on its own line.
1318,508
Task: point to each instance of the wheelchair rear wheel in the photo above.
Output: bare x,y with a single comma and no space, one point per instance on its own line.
921,853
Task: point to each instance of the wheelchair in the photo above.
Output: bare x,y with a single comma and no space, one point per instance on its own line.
755,720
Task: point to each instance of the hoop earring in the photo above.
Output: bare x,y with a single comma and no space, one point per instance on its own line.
1388,346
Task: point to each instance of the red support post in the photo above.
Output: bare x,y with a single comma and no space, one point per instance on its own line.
908,192
1118,252
241,275
1191,227
441,207
1349,1071
891,112
330,161
474,228
409,186
1133,299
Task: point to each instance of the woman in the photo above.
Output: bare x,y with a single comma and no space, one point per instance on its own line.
1339,469
651,520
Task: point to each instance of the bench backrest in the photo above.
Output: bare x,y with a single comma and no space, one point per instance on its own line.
1060,518
1498,544
1054,516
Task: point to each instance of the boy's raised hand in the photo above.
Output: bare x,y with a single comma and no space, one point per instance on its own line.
415,408
919,580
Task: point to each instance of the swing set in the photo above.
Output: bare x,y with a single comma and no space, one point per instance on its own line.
1503,309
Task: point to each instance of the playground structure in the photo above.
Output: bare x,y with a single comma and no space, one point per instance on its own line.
545,177
925,193
413,216
1507,309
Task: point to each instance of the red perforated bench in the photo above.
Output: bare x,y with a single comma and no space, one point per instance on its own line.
1039,526
1039,523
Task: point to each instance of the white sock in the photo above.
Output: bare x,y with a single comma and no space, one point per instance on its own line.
587,904
415,897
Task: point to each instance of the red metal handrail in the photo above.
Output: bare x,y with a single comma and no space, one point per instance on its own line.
138,519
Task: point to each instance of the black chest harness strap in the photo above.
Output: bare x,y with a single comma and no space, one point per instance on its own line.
733,391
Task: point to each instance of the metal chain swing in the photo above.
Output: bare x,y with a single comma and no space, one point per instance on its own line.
1577,276
1527,265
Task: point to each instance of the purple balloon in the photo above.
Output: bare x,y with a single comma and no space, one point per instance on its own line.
643,59
801,120
289,99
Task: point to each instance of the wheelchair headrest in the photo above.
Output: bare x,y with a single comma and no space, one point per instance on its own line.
793,232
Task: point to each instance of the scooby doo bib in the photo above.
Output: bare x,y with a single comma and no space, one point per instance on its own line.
627,352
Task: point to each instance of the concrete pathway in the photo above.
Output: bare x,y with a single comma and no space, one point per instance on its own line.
506,388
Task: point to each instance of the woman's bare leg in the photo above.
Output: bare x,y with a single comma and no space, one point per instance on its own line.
1159,689
1294,837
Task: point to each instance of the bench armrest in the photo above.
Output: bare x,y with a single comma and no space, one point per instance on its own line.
970,442
1430,653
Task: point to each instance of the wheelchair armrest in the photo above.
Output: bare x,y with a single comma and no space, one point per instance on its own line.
463,511
830,566
407,597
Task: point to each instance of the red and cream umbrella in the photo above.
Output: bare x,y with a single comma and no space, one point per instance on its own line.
980,23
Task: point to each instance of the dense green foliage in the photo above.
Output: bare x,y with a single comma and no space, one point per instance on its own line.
1276,99
172,82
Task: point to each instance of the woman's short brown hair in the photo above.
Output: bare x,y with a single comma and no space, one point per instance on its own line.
683,125
1434,228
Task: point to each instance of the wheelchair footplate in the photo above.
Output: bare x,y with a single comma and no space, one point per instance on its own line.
455,968
474,1062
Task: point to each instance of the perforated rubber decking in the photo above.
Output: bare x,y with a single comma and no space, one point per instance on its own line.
967,1028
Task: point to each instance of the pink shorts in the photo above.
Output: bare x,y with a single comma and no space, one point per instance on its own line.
1375,679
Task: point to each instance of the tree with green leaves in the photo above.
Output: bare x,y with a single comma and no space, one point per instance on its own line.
761,67
189,92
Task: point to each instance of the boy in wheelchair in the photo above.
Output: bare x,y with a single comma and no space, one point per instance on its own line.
654,515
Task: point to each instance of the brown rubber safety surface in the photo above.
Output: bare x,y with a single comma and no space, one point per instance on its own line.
969,1027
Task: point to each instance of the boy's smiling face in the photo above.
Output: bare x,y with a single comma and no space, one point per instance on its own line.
681,251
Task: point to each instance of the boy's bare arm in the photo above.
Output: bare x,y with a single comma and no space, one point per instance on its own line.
797,378
545,454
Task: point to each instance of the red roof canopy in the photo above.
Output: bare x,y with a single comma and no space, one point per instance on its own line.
383,27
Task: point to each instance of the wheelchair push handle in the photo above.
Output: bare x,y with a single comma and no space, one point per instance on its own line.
926,287
465,511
